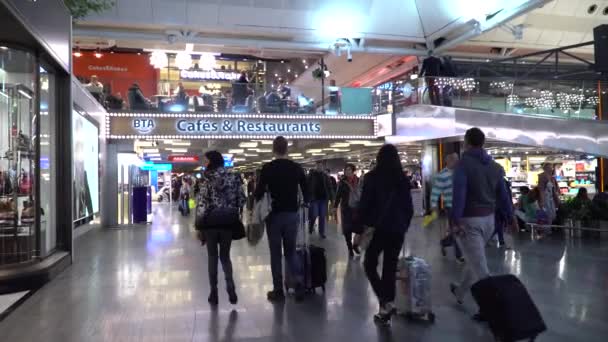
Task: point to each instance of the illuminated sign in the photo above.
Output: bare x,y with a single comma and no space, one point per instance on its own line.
156,167
245,126
143,125
183,159
228,161
209,75
239,126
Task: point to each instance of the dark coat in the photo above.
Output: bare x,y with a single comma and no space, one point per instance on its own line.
349,216
386,204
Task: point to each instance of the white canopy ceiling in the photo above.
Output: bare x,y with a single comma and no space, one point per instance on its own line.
386,26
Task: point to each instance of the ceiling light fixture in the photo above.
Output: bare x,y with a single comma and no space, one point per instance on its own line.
183,60
150,150
178,150
181,143
248,144
159,59
236,151
207,61
25,94
98,53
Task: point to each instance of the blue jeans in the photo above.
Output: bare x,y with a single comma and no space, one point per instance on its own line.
318,209
282,231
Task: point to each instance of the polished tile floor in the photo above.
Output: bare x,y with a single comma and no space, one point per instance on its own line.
150,284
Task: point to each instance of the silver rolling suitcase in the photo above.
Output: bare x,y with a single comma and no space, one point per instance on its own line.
413,290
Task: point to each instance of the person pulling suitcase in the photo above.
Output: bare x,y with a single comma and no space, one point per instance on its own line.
283,179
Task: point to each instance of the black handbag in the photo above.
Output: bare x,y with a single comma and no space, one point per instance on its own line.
238,231
224,216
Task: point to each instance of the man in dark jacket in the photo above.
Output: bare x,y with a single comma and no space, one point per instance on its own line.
479,191
320,191
431,68
283,179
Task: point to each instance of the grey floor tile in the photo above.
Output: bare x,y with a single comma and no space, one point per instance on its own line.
150,284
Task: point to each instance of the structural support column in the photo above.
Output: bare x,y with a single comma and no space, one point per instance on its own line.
430,166
602,114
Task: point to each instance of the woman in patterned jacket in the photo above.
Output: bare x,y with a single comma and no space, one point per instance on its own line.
221,195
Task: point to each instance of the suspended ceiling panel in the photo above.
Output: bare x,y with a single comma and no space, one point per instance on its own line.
558,23
386,22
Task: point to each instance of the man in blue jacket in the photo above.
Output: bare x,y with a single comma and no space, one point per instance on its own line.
479,191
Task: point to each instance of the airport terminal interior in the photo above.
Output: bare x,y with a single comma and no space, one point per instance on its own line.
116,118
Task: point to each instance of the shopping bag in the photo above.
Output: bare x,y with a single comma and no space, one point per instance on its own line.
261,209
191,203
254,232
428,219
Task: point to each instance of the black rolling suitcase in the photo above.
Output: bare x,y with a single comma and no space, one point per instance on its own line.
312,259
507,306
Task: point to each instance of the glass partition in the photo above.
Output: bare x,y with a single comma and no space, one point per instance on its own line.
17,156
569,99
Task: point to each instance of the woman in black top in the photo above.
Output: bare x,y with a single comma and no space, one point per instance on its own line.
386,205
348,184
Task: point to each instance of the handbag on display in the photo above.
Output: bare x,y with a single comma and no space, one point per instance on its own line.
7,214
28,214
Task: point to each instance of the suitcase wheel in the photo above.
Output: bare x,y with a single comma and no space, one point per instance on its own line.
323,288
431,317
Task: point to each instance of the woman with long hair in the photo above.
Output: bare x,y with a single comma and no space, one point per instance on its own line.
347,186
386,205
221,195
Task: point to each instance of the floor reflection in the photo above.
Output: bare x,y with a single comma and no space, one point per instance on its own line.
150,284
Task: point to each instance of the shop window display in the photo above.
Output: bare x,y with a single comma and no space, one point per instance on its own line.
17,156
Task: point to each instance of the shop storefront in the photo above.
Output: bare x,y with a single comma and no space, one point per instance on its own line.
206,82
35,128
188,136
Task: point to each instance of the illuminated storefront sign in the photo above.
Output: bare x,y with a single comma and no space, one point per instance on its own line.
232,126
208,75
183,159
155,167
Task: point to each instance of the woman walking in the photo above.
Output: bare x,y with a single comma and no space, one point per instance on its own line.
348,185
220,198
386,205
548,191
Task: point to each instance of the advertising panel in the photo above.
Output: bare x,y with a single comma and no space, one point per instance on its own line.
85,167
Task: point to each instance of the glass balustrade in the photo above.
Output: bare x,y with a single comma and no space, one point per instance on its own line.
569,99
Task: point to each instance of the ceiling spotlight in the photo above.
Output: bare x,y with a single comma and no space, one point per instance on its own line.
98,53
183,60
77,54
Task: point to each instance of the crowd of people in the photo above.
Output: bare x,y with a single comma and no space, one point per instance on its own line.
472,190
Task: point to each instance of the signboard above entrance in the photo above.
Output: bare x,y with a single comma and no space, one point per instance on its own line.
232,126
208,75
